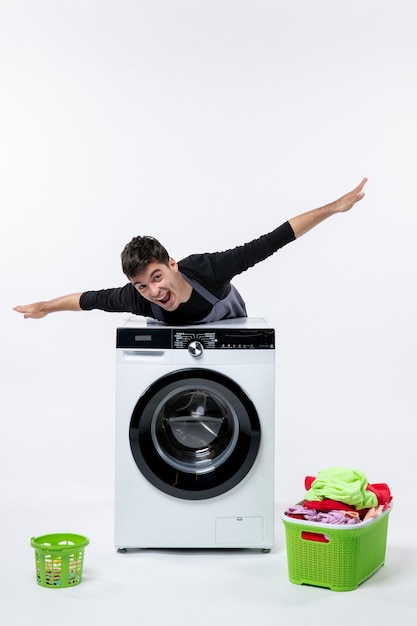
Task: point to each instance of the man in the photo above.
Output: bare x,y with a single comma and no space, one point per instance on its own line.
198,288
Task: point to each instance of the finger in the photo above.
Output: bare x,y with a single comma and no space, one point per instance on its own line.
361,185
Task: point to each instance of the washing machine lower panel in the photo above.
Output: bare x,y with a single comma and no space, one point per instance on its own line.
240,518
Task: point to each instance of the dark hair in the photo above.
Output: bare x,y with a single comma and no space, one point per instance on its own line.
141,251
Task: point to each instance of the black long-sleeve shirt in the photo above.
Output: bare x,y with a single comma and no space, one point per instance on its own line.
214,271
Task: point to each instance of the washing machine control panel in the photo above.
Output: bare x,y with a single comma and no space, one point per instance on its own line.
196,340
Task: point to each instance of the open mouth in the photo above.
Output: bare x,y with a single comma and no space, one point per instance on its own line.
165,299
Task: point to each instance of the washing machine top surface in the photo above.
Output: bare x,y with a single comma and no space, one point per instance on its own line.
137,321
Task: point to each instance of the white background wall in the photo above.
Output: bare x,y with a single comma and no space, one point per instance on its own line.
206,124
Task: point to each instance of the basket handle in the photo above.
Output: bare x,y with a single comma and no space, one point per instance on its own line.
309,536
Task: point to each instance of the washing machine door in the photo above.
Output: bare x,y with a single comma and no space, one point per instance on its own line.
194,434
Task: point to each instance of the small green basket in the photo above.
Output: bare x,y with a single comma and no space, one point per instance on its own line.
339,557
59,559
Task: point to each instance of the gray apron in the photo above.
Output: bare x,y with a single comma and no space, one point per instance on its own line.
230,306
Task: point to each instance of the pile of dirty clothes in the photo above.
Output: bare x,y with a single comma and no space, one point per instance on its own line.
340,495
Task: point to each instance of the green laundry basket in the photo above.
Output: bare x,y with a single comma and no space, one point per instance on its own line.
339,557
59,559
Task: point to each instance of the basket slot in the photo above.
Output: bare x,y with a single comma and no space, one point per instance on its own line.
320,537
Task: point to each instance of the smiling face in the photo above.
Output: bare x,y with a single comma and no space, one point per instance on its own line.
162,284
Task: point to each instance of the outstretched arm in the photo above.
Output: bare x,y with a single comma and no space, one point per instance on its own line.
306,221
40,309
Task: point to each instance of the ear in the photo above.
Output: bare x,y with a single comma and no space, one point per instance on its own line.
173,265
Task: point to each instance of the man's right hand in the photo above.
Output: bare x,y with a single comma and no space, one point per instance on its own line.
40,309
34,311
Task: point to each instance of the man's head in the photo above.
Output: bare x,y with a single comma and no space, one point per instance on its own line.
154,274
141,251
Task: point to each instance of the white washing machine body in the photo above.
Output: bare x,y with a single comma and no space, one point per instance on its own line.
195,416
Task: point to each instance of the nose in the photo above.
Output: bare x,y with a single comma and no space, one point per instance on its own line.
153,290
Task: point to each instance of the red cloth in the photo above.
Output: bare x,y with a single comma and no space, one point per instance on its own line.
382,492
328,505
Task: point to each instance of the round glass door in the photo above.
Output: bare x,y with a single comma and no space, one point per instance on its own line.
194,434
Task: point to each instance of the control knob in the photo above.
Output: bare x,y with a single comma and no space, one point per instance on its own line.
195,348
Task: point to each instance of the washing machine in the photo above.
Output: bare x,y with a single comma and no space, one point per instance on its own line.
195,415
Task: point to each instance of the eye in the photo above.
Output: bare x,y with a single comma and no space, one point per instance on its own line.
157,277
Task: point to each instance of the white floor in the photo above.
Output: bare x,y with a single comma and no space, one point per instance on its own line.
176,587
